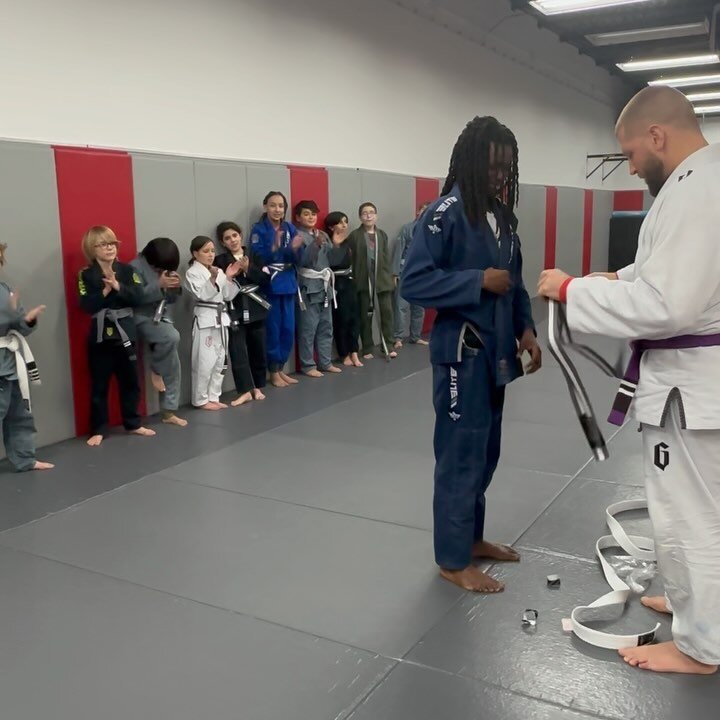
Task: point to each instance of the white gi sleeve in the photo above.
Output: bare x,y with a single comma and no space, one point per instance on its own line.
674,285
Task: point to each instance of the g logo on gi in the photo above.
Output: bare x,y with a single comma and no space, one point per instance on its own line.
662,456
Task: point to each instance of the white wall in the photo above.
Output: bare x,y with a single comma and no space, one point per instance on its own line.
352,84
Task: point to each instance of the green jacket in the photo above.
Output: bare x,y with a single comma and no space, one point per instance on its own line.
358,246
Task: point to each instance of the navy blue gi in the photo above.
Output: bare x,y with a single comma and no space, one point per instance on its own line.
473,351
283,291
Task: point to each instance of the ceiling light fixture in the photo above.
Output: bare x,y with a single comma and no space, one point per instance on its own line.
704,96
707,109
666,32
688,81
668,62
557,7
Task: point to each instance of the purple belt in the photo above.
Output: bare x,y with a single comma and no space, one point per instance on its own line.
628,386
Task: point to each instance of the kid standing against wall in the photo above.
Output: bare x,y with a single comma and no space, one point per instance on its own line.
109,290
211,288
373,280
317,288
346,316
157,266
275,244
17,371
248,312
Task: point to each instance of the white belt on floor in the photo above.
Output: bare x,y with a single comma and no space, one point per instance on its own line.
611,605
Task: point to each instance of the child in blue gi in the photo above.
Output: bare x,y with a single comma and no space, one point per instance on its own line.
275,244
465,262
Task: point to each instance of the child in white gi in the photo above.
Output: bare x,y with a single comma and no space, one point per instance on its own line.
210,288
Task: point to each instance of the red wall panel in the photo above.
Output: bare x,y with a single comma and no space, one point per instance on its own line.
551,209
426,190
628,200
95,187
309,183
587,231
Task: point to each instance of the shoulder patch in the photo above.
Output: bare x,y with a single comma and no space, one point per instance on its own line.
82,289
136,279
254,238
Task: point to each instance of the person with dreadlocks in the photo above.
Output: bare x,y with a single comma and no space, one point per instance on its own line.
465,262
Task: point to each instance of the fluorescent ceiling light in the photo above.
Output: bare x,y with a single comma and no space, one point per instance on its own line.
688,81
668,62
556,7
647,34
704,96
707,109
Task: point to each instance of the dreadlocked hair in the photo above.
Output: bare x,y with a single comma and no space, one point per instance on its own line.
470,165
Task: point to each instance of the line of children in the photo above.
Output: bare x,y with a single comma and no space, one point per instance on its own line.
244,308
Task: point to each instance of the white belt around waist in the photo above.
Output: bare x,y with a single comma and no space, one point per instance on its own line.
326,275
25,366
612,604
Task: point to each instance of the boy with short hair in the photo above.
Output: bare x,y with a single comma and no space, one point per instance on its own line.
317,290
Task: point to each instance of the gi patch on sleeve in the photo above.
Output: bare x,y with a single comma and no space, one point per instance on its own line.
82,289
136,279
454,395
254,239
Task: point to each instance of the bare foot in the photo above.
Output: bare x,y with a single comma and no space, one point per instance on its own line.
95,440
659,604
277,381
39,465
242,399
347,361
157,382
393,354
332,369
258,394
493,551
221,405
175,420
472,579
368,356
421,342
289,380
314,373
142,431
398,344
665,658
210,406
356,360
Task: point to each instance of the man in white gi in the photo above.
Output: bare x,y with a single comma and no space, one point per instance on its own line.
668,302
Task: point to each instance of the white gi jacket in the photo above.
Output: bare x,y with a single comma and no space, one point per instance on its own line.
199,283
673,288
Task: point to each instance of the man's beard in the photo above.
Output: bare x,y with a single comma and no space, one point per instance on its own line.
655,176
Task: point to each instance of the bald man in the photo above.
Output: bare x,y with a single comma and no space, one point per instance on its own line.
669,301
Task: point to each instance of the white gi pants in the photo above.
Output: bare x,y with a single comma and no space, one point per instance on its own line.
682,480
208,360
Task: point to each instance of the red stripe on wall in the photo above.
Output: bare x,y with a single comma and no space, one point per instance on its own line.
427,190
95,187
309,183
628,200
587,231
551,207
